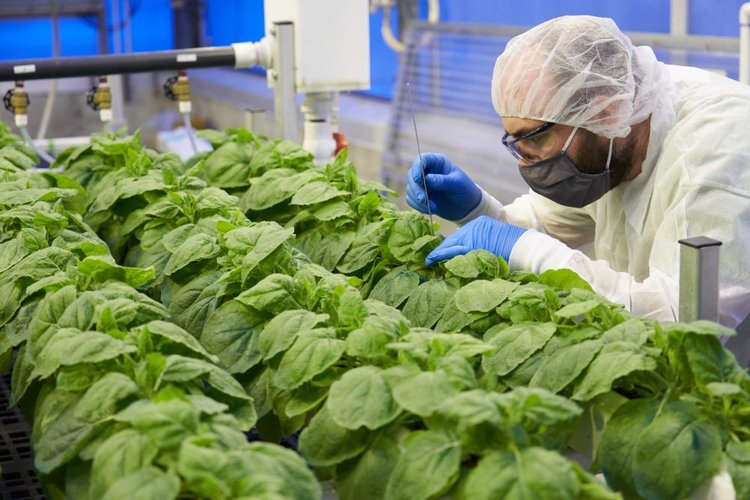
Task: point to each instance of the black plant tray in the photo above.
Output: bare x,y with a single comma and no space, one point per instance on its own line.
18,479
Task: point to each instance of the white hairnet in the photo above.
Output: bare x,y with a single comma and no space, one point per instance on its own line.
579,71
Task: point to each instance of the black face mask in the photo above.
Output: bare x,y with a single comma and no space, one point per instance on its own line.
559,180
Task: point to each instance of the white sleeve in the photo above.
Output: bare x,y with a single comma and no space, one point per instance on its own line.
573,226
656,297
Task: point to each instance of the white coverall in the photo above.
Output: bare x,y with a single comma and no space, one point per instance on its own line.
695,181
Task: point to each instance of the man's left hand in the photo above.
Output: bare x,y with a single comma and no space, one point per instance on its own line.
482,233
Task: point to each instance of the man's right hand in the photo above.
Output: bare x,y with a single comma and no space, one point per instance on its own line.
452,193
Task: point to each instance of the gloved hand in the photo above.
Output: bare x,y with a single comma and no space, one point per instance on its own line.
452,193
483,232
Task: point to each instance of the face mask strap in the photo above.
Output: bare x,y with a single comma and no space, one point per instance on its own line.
609,155
570,139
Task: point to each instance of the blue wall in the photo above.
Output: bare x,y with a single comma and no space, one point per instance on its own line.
229,21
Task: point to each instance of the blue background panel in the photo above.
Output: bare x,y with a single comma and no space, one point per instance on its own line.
229,21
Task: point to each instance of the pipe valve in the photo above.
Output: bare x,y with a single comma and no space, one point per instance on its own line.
99,98
16,100
177,88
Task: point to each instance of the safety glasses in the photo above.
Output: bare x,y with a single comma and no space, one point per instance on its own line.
533,145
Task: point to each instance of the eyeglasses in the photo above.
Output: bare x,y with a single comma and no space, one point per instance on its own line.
533,145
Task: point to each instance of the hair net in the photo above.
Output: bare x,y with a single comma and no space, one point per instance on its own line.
579,71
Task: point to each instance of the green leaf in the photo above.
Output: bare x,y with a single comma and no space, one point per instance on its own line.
703,327
176,335
305,398
331,249
166,423
316,192
362,398
121,454
395,287
312,353
408,228
515,344
475,417
477,264
279,334
333,210
101,269
615,360
577,309
281,472
365,477
324,442
364,249
192,304
228,166
737,459
423,393
70,346
564,365
679,442
616,452
148,483
63,438
371,339
633,330
538,407
428,302
231,333
275,294
212,199
454,320
275,186
483,295
429,466
564,279
708,360
201,467
262,240
197,247
530,473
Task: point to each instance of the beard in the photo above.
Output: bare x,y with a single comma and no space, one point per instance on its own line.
591,157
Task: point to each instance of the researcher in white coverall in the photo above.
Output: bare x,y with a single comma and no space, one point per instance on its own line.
624,156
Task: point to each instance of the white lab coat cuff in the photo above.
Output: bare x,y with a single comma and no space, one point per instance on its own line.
537,252
489,206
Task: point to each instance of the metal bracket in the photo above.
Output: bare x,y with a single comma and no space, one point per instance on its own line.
699,279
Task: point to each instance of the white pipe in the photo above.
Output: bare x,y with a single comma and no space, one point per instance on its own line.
387,32
433,13
39,151
61,143
249,54
190,132
318,135
745,43
678,17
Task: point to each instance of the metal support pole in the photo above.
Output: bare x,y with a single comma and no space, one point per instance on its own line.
254,120
284,85
699,279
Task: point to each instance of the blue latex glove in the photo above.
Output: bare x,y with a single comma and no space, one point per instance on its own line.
483,232
452,193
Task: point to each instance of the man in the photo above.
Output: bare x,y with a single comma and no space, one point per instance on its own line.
624,156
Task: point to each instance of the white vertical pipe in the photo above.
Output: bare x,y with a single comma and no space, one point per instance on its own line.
745,43
678,17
